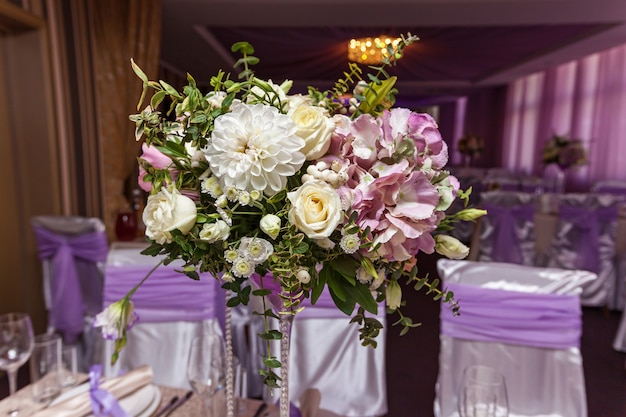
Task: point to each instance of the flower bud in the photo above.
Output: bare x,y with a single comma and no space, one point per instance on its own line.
450,247
303,276
470,214
393,295
270,225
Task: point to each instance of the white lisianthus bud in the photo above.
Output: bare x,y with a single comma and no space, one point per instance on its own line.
450,247
270,225
393,295
116,319
303,276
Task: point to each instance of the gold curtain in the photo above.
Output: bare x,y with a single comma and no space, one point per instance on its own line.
121,30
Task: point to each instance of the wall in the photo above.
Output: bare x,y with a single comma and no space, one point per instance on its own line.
27,155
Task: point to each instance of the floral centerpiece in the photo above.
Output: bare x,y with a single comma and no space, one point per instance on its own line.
565,152
470,145
330,189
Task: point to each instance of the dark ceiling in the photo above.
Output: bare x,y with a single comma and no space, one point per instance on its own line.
463,44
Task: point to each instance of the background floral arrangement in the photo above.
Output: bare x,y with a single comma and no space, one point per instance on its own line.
567,153
470,145
311,190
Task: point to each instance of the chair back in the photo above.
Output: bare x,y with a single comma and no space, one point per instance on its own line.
586,239
507,232
73,250
522,320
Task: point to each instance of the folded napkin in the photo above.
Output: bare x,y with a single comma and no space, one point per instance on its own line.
119,387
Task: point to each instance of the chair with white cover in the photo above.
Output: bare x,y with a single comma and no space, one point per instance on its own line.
72,250
172,309
522,320
586,238
326,355
507,231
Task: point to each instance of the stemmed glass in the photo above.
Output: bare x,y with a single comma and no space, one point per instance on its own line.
16,346
206,368
482,393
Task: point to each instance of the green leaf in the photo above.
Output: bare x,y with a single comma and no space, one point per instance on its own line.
271,362
243,47
142,75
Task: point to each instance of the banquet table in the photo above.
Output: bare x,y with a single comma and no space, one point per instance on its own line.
194,407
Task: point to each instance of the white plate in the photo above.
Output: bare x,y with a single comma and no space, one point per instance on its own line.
140,403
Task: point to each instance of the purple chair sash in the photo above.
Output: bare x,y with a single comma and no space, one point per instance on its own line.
587,222
505,246
68,307
512,317
167,295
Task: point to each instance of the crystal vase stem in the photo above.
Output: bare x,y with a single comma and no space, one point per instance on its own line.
285,328
230,400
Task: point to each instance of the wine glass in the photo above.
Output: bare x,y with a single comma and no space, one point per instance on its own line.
482,393
206,368
16,346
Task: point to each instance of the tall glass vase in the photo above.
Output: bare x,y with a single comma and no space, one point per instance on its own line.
554,176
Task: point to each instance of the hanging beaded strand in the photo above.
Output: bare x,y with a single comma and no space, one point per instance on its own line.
285,329
230,401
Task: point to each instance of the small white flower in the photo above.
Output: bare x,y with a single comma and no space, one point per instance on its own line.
232,194
244,198
221,201
256,195
303,276
255,249
242,268
212,187
270,225
363,276
231,255
228,277
350,243
116,319
213,232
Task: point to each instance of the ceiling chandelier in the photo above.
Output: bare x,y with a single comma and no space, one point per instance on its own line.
374,50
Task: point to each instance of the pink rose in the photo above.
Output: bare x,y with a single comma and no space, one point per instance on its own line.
156,159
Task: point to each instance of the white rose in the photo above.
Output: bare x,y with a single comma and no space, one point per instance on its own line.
166,211
315,127
316,209
270,224
212,232
450,247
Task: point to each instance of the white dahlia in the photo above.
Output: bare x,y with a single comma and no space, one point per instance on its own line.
254,147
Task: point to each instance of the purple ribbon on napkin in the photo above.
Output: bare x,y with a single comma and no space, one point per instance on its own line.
514,317
68,307
505,246
103,403
587,223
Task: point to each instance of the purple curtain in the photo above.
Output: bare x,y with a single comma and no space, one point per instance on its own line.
584,99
